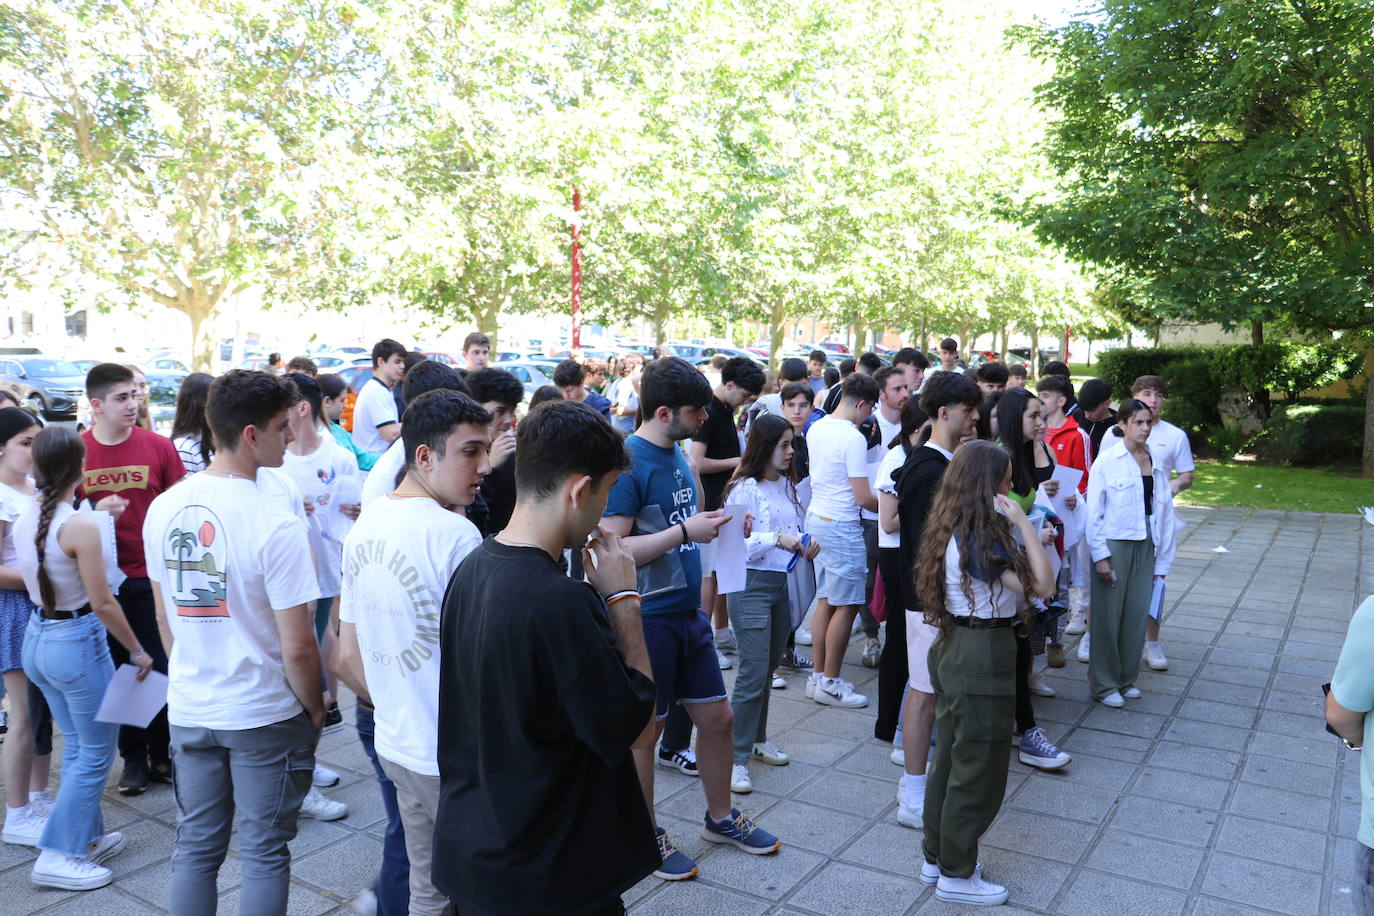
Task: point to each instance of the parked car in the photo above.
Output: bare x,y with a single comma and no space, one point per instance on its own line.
833,347
731,352
53,386
441,357
531,374
168,364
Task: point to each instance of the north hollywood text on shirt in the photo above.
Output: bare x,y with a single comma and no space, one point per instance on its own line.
374,552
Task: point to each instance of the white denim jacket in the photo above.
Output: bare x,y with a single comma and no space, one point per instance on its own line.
1116,506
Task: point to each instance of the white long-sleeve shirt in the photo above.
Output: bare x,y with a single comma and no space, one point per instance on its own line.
776,511
1116,506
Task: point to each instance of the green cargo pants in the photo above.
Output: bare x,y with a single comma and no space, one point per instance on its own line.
1119,615
974,676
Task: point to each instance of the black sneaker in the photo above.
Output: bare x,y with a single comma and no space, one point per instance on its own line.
4,724
794,659
333,719
161,773
684,760
134,781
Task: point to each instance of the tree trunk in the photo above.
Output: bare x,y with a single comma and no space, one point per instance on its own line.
1005,331
488,320
921,340
964,343
202,338
1035,352
1257,332
1368,465
1261,398
777,332
660,322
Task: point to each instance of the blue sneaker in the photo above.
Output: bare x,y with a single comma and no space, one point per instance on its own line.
675,866
739,830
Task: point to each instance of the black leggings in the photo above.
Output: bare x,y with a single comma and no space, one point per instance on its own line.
1025,716
892,665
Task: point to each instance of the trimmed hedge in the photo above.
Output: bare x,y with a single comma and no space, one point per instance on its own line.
1313,434
1290,368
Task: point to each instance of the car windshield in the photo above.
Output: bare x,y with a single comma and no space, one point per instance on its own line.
50,368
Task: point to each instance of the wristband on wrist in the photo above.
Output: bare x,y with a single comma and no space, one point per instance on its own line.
683,526
621,596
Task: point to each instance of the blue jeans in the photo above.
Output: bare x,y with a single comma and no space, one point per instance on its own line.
70,662
392,886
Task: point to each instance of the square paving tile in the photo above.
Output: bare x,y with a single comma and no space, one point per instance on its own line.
1092,890
844,889
1262,885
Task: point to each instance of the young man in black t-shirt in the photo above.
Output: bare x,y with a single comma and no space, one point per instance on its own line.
716,451
545,686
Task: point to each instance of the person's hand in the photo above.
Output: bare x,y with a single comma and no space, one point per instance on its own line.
1047,534
789,542
1173,486
1011,509
1104,571
1051,488
502,447
113,504
352,510
1071,501
614,567
703,527
317,719
812,549
144,661
309,506
748,523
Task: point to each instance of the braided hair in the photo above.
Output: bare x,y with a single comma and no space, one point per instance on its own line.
58,453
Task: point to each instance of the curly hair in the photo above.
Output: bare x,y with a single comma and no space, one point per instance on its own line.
964,509
58,453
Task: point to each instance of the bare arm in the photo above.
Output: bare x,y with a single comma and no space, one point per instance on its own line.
863,493
389,432
887,513
613,571
646,548
1182,482
164,628
348,663
706,465
1345,722
80,540
300,656
11,579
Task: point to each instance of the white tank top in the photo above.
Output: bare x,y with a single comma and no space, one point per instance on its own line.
62,569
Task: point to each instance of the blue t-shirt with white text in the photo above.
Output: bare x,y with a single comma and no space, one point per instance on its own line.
658,492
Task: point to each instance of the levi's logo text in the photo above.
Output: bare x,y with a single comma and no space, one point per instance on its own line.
194,556
131,477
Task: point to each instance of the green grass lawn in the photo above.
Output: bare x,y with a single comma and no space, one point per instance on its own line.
1265,487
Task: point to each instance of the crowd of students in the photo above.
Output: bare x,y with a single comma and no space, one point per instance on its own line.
530,615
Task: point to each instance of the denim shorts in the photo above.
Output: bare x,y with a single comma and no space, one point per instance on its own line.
683,657
842,564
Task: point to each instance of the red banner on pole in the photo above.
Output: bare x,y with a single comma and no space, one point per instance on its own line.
577,270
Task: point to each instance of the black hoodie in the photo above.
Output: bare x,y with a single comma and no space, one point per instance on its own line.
916,481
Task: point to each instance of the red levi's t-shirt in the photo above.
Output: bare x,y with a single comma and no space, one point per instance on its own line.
138,469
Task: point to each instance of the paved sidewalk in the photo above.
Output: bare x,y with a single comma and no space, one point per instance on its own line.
1216,793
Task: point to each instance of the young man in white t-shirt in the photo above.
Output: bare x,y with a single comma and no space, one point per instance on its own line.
892,397
375,424
234,588
1169,449
398,561
323,472
426,375
840,487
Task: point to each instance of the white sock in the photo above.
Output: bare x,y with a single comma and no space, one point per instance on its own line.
15,812
35,796
1152,642
913,789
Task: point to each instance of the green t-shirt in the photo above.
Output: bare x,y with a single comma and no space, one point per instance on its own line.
1353,687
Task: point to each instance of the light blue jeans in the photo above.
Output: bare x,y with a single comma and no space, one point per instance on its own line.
69,661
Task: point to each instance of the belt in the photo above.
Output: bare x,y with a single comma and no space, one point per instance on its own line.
983,623
65,615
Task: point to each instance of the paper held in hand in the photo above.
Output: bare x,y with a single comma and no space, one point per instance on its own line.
730,551
1068,479
128,701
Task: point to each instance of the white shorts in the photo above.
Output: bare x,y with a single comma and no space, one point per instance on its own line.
920,636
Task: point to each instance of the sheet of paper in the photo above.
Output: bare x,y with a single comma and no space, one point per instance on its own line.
730,552
1157,599
347,491
1068,479
1368,513
130,702
1055,562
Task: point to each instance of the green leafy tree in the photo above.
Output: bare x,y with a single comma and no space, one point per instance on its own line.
1222,154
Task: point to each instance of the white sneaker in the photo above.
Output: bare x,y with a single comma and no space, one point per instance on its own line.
1084,647
104,847
324,776
739,780
898,756
42,801
839,692
803,637
1113,700
811,681
724,661
365,904
1131,693
1078,624
972,890
24,827
769,753
320,808
53,869
778,682
1154,657
909,809
930,873
1040,688
873,653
